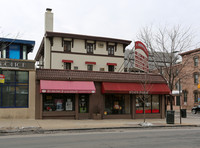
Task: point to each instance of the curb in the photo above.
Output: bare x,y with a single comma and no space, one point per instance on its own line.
42,131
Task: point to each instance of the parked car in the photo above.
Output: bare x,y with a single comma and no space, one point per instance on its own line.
196,109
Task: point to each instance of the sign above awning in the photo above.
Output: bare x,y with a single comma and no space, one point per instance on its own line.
135,88
50,86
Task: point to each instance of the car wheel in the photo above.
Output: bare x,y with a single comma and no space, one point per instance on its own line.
194,111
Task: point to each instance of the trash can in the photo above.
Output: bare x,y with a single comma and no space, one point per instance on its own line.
183,113
170,117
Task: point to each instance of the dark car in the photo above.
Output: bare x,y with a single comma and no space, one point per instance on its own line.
196,109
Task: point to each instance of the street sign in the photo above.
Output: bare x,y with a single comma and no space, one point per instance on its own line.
2,78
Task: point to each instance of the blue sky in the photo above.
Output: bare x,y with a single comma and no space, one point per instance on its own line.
108,18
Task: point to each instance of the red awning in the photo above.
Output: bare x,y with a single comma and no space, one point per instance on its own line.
87,62
135,88
113,64
67,61
48,86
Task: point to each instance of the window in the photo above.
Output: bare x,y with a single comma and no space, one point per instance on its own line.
117,104
67,46
110,50
90,48
195,96
111,68
24,53
152,104
196,60
14,52
14,92
196,78
185,95
67,66
90,67
58,102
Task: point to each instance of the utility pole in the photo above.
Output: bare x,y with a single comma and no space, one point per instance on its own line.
179,89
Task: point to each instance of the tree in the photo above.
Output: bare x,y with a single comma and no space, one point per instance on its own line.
165,44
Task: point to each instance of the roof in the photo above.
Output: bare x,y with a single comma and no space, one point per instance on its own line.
79,75
29,43
87,37
189,52
78,36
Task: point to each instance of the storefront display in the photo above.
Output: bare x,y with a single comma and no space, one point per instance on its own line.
117,104
58,102
151,104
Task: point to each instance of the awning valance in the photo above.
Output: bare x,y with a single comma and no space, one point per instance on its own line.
50,86
135,88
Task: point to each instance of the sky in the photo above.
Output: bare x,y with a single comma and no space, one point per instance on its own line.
122,19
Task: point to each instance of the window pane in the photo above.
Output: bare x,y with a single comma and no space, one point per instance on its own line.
9,76
148,105
139,105
22,96
117,104
67,46
22,76
8,96
155,104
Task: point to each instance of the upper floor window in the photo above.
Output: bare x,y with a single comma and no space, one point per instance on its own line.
196,61
111,50
14,52
67,46
111,68
178,85
196,78
67,66
90,48
90,67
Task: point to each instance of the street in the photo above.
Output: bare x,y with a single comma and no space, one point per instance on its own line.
127,138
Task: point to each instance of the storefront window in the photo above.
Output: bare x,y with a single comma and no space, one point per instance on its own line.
83,103
155,104
152,104
15,89
117,104
139,105
58,102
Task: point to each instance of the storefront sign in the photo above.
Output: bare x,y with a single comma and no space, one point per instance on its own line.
17,64
141,56
2,78
139,92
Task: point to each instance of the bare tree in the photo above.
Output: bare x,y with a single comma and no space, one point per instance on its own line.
165,44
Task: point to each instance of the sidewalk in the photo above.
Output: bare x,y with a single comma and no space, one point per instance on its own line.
13,125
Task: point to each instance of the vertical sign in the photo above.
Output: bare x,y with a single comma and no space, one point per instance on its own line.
2,78
141,56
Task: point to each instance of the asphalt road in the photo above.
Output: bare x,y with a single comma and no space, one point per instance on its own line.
126,138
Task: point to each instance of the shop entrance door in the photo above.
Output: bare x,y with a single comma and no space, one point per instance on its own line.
83,103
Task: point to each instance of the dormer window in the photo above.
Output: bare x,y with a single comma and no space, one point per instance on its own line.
90,47
67,46
111,50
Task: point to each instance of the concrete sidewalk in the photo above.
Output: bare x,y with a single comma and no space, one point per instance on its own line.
11,125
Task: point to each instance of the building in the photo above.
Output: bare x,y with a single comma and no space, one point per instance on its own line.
17,88
189,80
78,78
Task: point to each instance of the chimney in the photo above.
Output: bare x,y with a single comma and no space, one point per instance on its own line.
48,26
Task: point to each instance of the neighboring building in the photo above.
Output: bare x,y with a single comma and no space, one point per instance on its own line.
17,93
79,52
158,60
73,79
189,80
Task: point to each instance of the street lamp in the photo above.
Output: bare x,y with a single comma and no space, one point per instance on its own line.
179,91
